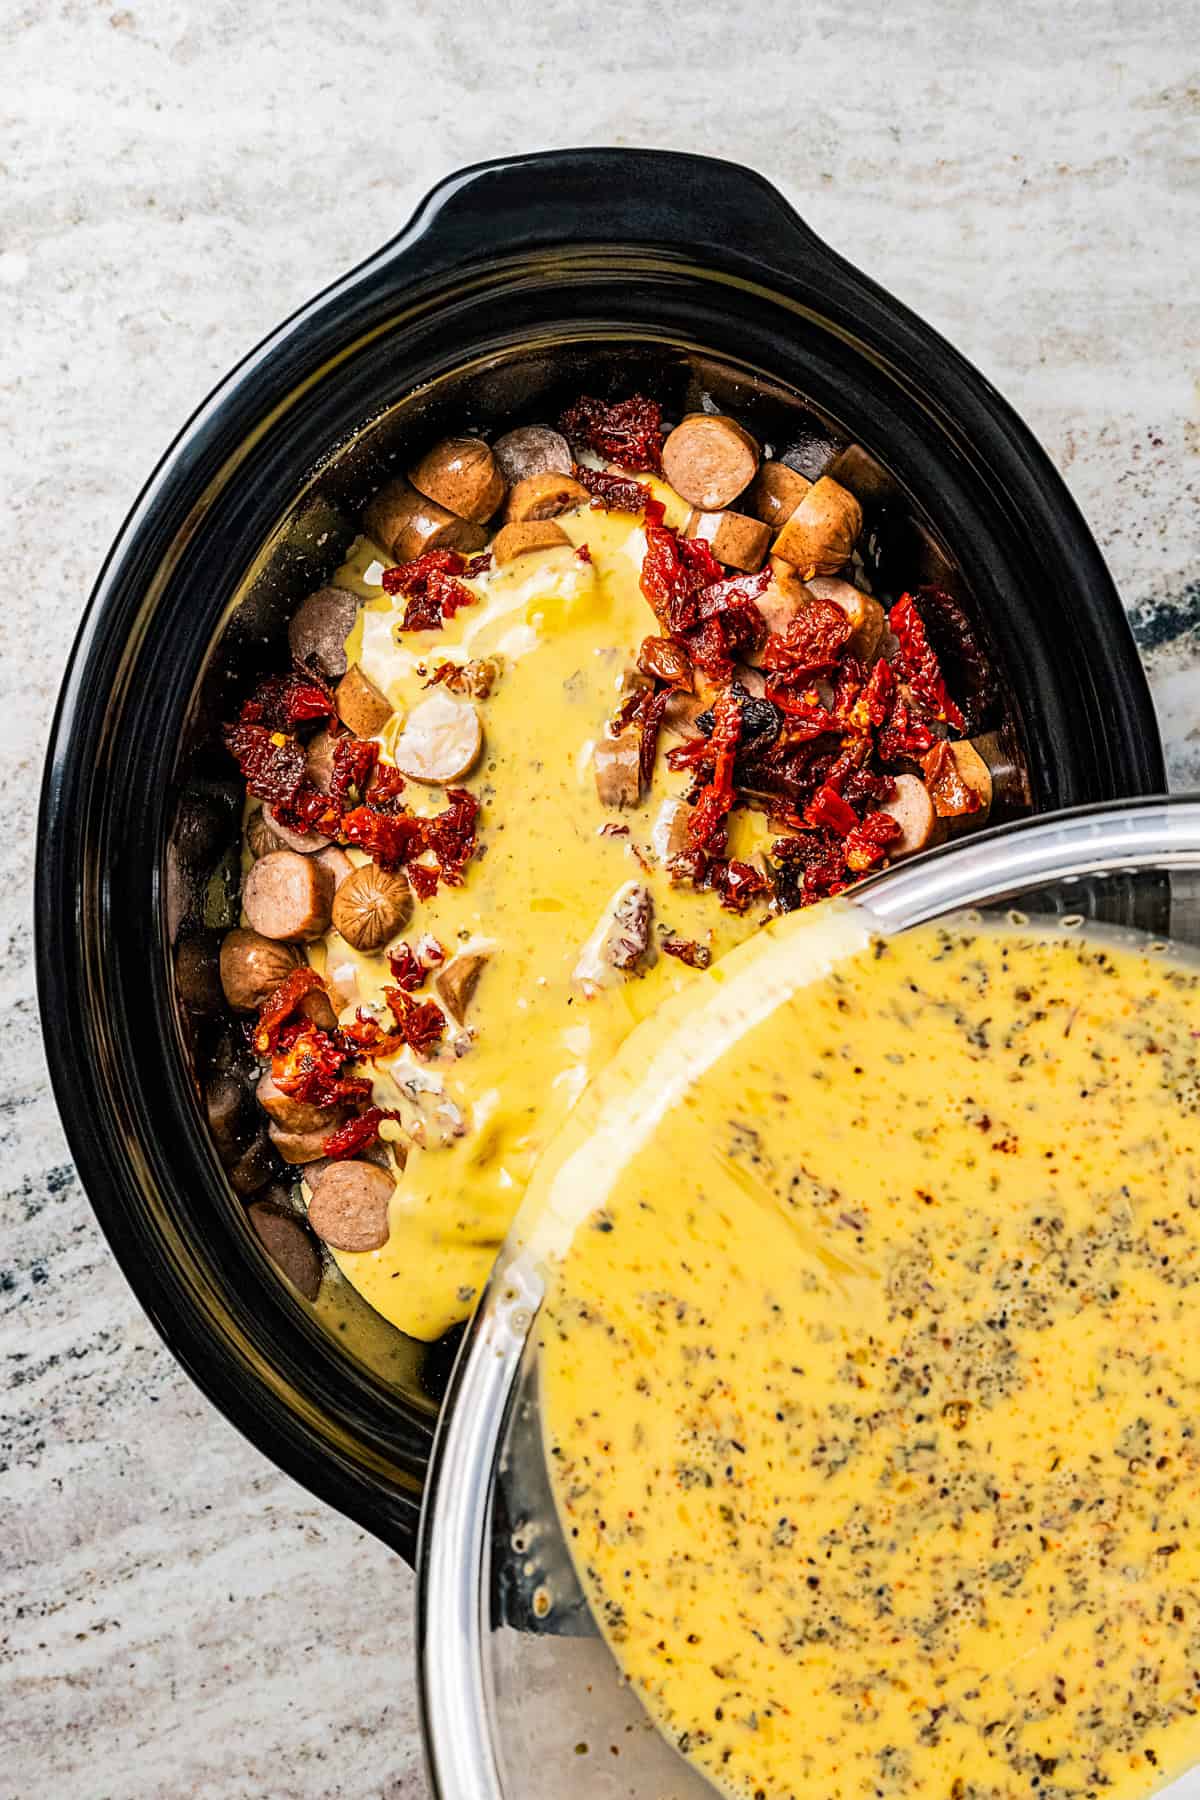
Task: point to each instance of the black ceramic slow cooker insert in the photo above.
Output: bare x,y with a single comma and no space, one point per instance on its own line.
516,285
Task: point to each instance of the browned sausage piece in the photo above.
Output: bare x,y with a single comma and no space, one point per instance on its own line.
284,1238
681,712
783,600
252,966
295,1115
460,474
350,1207
317,633
371,906
544,497
709,459
359,703
912,809
865,614
298,1146
532,450
669,835
303,842
405,524
336,863
776,493
737,541
318,1007
617,763
441,739
456,983
525,535
288,896
820,535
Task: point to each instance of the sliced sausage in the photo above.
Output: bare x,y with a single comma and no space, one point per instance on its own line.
198,972
298,1146
318,761
462,475
441,739
318,631
286,1241
349,1210
287,896
252,967
681,712
864,612
620,941
1010,779
525,535
532,450
253,1168
737,541
228,1115
336,864
783,601
304,842
359,703
295,1115
318,1007
912,809
456,983
261,838
617,765
544,497
371,906
959,781
669,835
709,459
405,525
819,537
776,493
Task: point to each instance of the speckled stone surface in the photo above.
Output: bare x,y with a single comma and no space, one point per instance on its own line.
175,1617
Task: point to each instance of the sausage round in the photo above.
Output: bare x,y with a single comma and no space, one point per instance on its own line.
295,1115
441,739
405,525
288,897
318,631
912,809
349,1209
461,474
532,450
737,541
709,458
866,615
820,535
305,842
286,1241
544,497
298,1146
617,765
525,535
252,967
359,703
776,493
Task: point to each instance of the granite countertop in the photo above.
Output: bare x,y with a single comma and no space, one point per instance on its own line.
177,1618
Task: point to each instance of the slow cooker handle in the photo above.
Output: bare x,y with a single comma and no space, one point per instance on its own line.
661,198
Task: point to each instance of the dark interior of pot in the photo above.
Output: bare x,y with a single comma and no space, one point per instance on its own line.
902,548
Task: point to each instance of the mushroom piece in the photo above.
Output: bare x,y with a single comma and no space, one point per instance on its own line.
456,983
227,1112
252,967
819,537
349,1209
253,1168
359,703
286,1241
617,765
441,739
532,450
318,631
261,837
318,761
198,972
371,906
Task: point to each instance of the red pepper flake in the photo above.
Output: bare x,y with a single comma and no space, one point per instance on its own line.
420,1023
354,761
281,1003
408,971
917,664
951,795
628,432
687,950
430,585
356,1134
738,884
613,493
310,1069
867,844
828,809
715,800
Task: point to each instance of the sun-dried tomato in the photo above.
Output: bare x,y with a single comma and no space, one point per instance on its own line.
827,809
649,722
738,884
282,702
423,880
612,493
867,844
812,866
956,642
408,971
665,660
281,1003
478,565
952,797
804,716
878,694
904,735
356,1134
686,950
386,786
916,664
420,1023
628,432
354,760
582,553
430,585
450,835
388,841
368,1039
811,644
272,764
310,1069
675,571
716,798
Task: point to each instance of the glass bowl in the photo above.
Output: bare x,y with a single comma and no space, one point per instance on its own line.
522,1699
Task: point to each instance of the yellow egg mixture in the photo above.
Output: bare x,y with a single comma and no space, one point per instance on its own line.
564,633
870,1385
